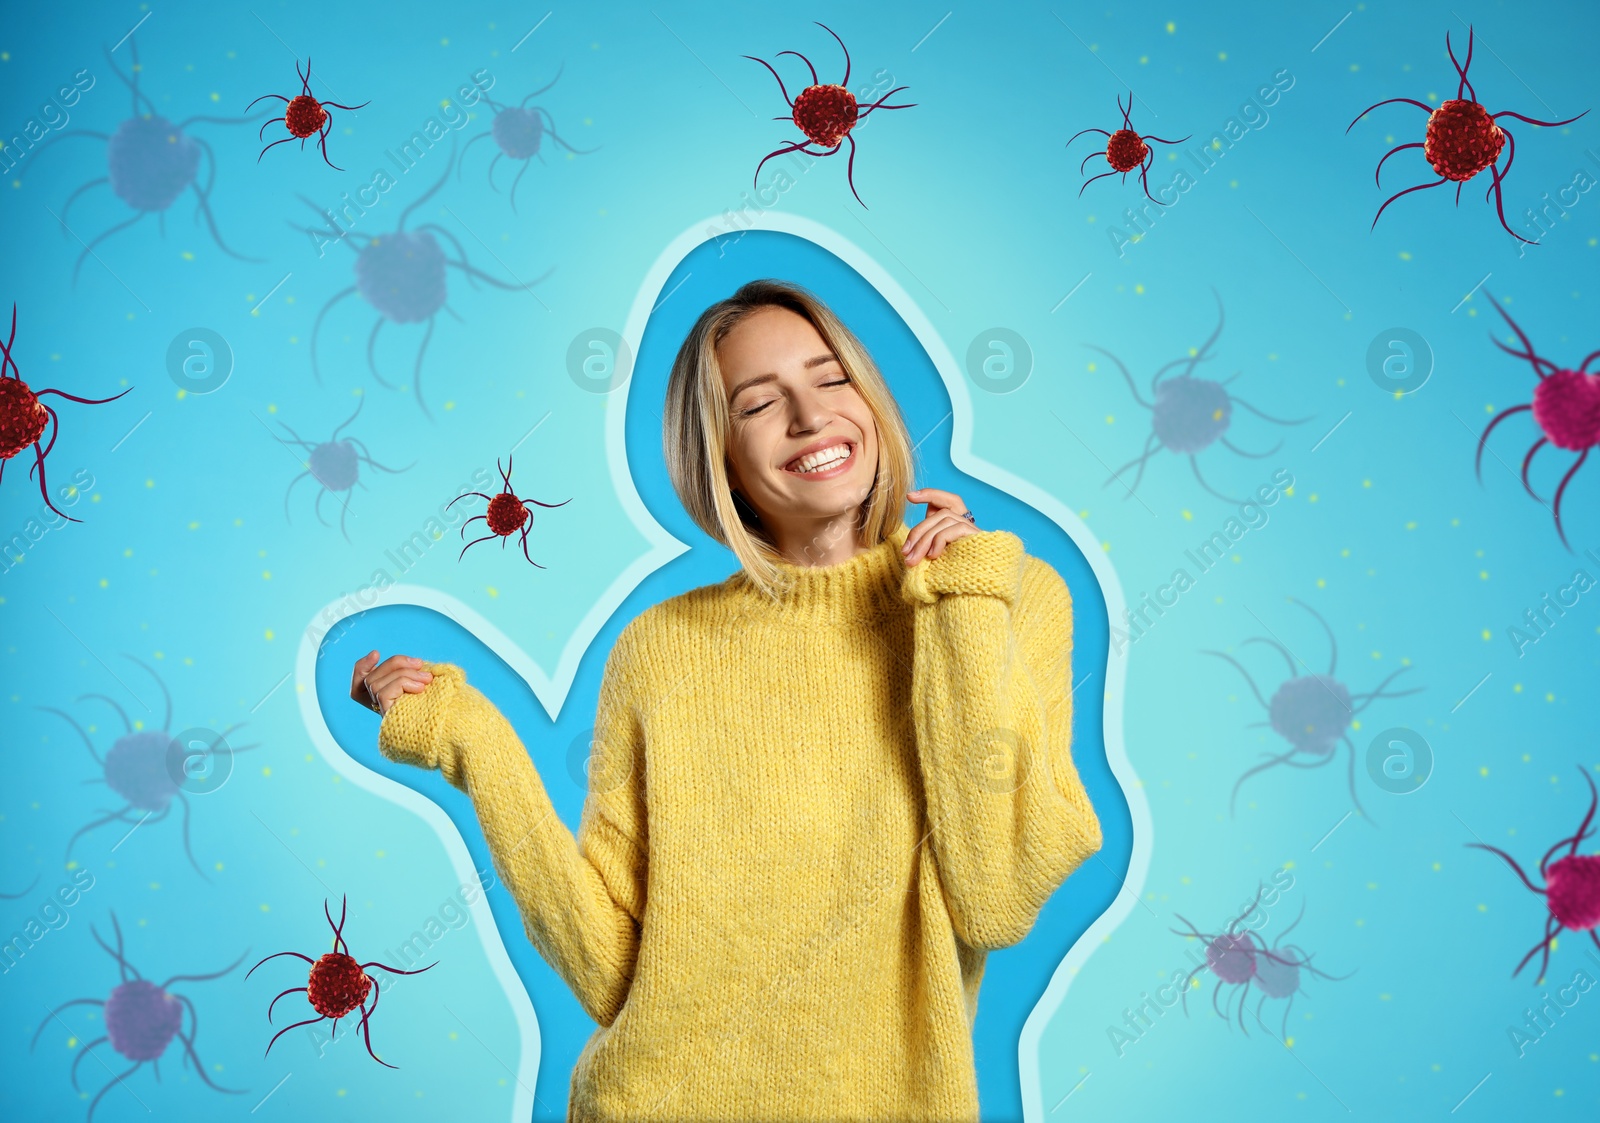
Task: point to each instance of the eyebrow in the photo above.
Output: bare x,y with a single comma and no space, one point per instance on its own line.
814,361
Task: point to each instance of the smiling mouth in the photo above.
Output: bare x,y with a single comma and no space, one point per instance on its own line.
834,460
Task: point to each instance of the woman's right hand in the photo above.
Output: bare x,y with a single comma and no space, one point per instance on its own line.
376,686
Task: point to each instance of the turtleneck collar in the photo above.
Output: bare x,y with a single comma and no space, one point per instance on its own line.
855,591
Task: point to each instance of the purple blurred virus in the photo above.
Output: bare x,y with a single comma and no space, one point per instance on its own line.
141,1019
150,161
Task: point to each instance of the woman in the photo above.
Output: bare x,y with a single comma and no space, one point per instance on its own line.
820,791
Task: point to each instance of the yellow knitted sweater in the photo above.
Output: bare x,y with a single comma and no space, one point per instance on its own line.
808,819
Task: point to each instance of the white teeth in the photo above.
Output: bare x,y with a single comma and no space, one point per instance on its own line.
823,459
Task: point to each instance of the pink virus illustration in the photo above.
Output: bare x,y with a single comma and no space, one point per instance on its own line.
304,116
507,515
145,768
1572,885
150,162
825,113
402,275
1312,712
141,1020
1462,139
1239,960
336,465
1565,407
24,418
337,986
1125,150
1188,414
519,132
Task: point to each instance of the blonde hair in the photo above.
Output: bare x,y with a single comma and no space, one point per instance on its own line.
696,420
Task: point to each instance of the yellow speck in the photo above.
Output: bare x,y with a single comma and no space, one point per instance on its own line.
269,634
266,770
104,583
1405,256
380,853
1222,56
1483,770
492,591
1188,516
266,575
194,526
1171,27
1436,867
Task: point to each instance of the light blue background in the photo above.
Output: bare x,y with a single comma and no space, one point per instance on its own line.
185,558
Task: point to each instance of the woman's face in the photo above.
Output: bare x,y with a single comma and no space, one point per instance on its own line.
789,399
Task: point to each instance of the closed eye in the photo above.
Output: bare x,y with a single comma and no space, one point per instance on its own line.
757,409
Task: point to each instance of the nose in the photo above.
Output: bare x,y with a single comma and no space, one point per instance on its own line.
807,411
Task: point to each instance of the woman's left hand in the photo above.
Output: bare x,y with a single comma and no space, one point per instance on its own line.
943,525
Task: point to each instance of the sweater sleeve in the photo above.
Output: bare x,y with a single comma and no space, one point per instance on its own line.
1009,818
582,899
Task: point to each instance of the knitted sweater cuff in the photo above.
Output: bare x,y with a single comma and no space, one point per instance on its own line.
989,562
415,731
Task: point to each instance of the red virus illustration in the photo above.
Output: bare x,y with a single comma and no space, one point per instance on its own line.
304,116
24,418
1125,150
1312,712
337,986
1572,885
1189,414
519,132
146,768
402,275
141,1019
1462,139
1238,959
825,113
506,515
336,465
150,163
1565,406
